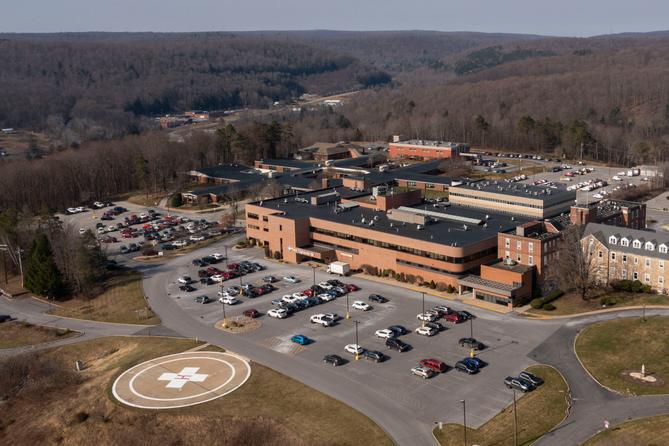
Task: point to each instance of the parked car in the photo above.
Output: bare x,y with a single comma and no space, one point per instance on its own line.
184,279
228,300
300,339
335,360
399,330
471,343
202,299
5,318
434,364
360,305
187,288
453,317
422,372
321,319
278,313
384,333
436,325
377,298
396,344
269,279
535,380
518,384
291,279
466,367
373,355
425,331
426,317
354,349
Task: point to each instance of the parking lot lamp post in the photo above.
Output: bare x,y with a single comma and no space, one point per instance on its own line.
226,255
464,421
224,323
348,316
423,312
357,356
515,420
313,269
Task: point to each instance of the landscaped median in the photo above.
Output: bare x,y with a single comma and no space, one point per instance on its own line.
611,350
643,432
571,303
121,302
539,411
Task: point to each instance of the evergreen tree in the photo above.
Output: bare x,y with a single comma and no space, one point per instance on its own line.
42,276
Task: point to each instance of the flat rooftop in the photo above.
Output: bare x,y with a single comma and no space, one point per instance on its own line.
446,230
428,143
548,195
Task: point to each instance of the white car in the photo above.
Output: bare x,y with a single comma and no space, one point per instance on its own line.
217,278
325,285
360,305
101,230
300,296
231,291
218,256
99,204
72,210
179,243
426,317
80,209
278,313
333,316
384,334
228,300
184,280
321,319
196,238
422,372
326,297
289,298
143,215
426,331
354,349
291,279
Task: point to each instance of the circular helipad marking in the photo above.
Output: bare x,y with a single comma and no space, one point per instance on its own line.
181,380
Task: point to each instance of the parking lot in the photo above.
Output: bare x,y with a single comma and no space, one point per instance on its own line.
508,343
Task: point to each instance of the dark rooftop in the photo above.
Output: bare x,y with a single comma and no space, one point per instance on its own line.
548,195
444,227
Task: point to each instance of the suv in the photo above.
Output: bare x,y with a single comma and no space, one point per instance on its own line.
466,367
471,343
202,299
396,344
321,319
518,384
527,376
377,298
434,364
398,330
373,355
335,360
423,372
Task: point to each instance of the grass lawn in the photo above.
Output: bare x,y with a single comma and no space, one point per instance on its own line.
651,431
121,302
571,303
538,412
269,408
19,334
146,200
607,349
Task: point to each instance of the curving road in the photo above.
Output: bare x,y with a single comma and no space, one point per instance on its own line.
591,405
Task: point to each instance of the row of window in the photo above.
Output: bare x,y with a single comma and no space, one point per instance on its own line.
648,246
635,276
407,249
519,245
647,261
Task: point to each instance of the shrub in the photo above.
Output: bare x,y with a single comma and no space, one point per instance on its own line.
176,200
550,297
537,303
441,286
549,307
646,289
433,285
636,287
277,255
450,289
608,301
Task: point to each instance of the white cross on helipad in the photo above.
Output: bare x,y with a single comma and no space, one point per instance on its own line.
178,380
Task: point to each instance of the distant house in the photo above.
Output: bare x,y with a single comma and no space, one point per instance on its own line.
322,151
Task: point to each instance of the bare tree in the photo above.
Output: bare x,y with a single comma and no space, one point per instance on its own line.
577,267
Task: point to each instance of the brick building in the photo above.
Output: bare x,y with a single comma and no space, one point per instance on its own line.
425,150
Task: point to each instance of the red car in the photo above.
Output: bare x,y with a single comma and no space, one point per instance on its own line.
233,266
252,313
308,292
351,288
453,317
434,364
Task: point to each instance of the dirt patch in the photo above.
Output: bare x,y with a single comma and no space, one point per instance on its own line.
239,325
20,334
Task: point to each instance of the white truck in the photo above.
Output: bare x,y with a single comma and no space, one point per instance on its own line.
341,268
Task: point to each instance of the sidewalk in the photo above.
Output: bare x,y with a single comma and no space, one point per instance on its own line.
464,298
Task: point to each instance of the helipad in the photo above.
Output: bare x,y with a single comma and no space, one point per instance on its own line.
180,380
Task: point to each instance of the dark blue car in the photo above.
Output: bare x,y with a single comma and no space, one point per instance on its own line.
300,339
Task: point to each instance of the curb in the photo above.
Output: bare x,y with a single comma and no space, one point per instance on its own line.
573,347
592,313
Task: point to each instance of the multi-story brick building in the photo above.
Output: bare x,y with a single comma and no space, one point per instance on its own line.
622,213
618,253
423,149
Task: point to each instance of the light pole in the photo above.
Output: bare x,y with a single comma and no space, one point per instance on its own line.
423,312
515,420
347,314
226,255
464,422
357,356
224,322
313,269
471,328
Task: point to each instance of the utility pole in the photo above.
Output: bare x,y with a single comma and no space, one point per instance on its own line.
223,304
347,314
313,269
18,252
423,312
515,420
464,422
471,328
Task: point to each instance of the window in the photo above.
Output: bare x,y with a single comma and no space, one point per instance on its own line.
647,263
257,228
663,248
613,256
661,263
624,242
530,260
636,244
545,260
252,216
624,258
660,280
635,275
519,246
624,274
636,260
264,218
613,240
518,257
530,247
507,243
646,278
650,246
600,254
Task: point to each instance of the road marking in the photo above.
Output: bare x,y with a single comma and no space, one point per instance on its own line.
186,375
